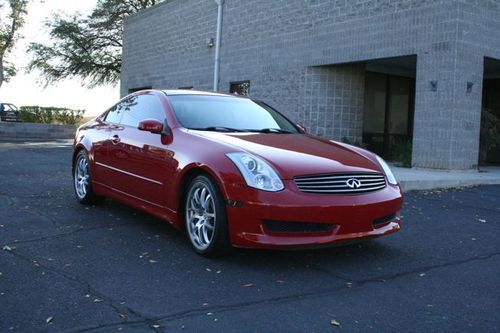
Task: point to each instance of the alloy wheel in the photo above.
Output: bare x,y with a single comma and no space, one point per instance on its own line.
81,177
200,216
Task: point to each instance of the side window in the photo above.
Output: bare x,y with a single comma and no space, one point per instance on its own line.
137,108
114,114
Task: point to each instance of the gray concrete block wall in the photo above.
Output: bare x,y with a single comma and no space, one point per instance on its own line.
165,46
333,101
10,131
447,121
275,44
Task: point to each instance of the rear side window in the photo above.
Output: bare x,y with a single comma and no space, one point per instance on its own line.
137,108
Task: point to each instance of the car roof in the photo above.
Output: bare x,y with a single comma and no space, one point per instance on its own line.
174,92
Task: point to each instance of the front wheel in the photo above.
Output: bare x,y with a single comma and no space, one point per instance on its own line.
82,180
205,218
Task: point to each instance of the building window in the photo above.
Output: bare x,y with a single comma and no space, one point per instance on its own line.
240,88
133,90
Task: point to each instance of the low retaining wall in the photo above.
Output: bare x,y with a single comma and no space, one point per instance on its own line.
35,132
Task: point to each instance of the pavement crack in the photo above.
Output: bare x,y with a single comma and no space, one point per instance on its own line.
41,239
300,296
424,269
120,309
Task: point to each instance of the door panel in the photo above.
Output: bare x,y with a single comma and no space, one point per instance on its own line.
100,136
140,162
142,165
110,126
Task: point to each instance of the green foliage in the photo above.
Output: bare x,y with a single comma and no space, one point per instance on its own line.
88,48
50,115
490,133
11,20
401,152
356,143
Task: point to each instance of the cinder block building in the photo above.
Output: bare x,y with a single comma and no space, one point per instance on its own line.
395,75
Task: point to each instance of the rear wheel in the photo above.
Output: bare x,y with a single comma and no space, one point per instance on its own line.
82,180
205,218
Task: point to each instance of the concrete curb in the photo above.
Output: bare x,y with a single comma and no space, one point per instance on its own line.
427,179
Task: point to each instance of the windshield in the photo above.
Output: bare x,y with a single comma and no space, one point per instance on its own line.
230,114
9,107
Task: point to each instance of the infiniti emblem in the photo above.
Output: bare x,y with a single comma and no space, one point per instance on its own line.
353,183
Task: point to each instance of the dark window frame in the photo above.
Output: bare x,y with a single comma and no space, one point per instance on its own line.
234,84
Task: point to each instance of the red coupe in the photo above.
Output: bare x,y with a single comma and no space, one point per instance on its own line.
232,171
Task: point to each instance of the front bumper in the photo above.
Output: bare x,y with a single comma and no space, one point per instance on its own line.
351,217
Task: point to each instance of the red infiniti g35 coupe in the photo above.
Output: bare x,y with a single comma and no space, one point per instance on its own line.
232,171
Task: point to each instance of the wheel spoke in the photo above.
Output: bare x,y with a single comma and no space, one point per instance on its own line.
199,236
196,198
207,202
206,239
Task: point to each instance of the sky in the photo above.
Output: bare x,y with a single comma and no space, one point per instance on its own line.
23,89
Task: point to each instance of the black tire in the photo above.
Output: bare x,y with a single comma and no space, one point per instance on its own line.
82,181
205,218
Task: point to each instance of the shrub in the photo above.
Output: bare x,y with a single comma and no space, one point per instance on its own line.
401,152
356,143
490,134
50,115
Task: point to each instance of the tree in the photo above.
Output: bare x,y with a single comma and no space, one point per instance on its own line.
11,19
88,48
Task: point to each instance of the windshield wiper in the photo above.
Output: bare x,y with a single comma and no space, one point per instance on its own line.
217,129
270,130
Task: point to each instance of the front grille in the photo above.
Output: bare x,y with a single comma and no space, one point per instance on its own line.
354,183
287,227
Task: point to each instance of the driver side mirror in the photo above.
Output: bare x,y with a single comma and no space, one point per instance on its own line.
151,125
302,128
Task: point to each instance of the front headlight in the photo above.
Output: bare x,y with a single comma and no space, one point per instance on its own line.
388,173
257,172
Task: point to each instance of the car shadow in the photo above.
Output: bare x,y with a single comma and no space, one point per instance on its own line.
363,251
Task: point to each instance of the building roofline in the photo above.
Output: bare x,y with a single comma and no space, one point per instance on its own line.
146,11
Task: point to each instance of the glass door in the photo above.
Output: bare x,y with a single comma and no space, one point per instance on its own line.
489,148
388,115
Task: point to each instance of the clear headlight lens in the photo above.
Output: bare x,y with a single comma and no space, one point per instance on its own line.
388,173
257,172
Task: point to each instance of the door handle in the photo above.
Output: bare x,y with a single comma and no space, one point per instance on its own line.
115,139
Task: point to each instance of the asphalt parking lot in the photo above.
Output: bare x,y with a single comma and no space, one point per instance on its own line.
67,267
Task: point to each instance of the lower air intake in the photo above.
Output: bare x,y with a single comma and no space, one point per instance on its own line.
297,227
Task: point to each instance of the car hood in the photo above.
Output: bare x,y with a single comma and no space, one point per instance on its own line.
298,154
